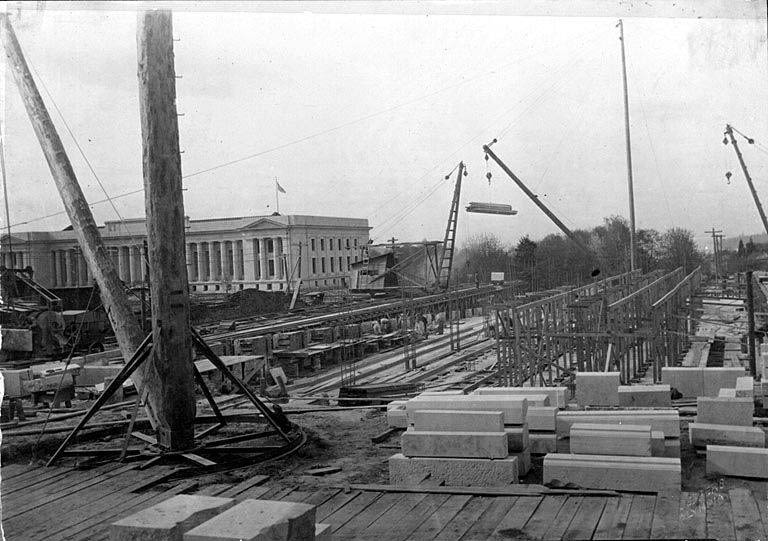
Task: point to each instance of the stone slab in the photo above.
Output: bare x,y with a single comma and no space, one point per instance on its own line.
523,461
458,421
542,418
462,472
397,418
702,434
252,520
168,520
672,447
727,393
455,444
667,421
657,443
615,440
597,388
716,378
643,396
720,410
737,461
542,443
641,474
745,387
534,399
518,438
557,395
689,381
514,409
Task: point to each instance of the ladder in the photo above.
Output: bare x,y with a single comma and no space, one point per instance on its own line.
446,260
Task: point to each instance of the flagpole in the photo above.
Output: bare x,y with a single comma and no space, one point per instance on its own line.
277,196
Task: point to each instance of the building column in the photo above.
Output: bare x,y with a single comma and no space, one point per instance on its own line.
249,260
68,265
263,266
124,270
216,260
143,258
55,267
206,277
228,259
189,259
194,268
75,279
200,263
136,263
82,271
239,259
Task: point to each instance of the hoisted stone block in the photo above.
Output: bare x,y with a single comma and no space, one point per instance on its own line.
724,411
557,395
168,520
455,444
607,439
702,434
597,388
645,396
641,474
458,421
667,421
737,461
252,520
460,472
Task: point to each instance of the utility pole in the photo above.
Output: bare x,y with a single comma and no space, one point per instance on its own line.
721,262
729,135
127,329
169,288
715,252
629,152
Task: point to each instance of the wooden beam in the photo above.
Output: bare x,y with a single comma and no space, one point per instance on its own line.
172,344
126,327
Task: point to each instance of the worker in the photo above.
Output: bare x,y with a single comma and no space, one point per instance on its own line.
376,327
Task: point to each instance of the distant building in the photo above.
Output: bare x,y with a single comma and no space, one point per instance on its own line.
260,252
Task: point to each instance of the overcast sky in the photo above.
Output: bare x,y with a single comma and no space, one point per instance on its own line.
364,115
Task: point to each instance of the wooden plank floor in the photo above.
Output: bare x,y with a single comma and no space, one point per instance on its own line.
64,503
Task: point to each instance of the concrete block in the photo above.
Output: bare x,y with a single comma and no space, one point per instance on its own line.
461,472
724,411
716,378
687,380
737,461
542,443
523,461
597,388
542,418
607,439
168,520
727,393
514,409
638,396
702,434
455,444
657,443
518,438
667,421
323,532
745,387
557,395
252,520
641,474
458,421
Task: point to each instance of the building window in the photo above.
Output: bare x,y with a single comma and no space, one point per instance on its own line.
332,269
315,282
314,266
348,262
334,280
340,267
205,288
241,286
281,286
325,282
216,287
355,242
339,244
347,243
271,265
355,259
322,264
194,288
312,244
322,244
269,286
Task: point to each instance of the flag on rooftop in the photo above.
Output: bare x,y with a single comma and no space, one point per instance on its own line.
279,188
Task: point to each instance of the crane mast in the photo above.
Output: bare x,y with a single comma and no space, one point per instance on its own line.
449,241
729,135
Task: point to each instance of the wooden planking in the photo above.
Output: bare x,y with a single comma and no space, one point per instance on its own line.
352,508
244,485
404,527
9,471
640,518
585,521
490,518
334,503
544,516
321,496
611,525
693,515
564,517
464,519
362,520
746,515
380,527
435,522
666,517
296,496
512,524
719,521
39,478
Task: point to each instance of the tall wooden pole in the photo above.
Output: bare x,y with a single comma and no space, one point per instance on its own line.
127,329
751,325
729,134
630,185
169,289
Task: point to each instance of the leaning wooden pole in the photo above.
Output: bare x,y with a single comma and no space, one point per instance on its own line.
127,329
172,346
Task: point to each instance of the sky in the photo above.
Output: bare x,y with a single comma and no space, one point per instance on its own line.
364,115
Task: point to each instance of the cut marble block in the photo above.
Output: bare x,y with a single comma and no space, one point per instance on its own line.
517,438
702,434
396,415
672,447
745,387
557,395
724,411
658,448
458,421
727,393
514,409
253,520
606,439
542,418
455,444
716,378
168,520
543,442
645,396
460,472
597,388
667,421
640,474
689,381
523,461
737,461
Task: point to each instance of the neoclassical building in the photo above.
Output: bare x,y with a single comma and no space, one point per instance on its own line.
223,254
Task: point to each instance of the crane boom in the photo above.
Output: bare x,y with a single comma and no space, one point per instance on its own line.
449,242
729,134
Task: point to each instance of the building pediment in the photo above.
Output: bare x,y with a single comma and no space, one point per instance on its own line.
263,223
13,239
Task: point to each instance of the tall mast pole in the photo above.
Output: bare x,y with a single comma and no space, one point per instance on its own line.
5,198
630,186
729,133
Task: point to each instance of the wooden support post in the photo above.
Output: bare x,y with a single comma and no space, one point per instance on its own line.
172,346
751,324
126,327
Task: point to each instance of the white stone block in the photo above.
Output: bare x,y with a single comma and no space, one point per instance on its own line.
745,387
542,442
455,444
460,472
557,395
727,393
724,411
543,418
458,421
514,409
606,439
737,461
641,474
667,421
253,520
716,378
597,388
397,418
689,381
702,434
638,396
